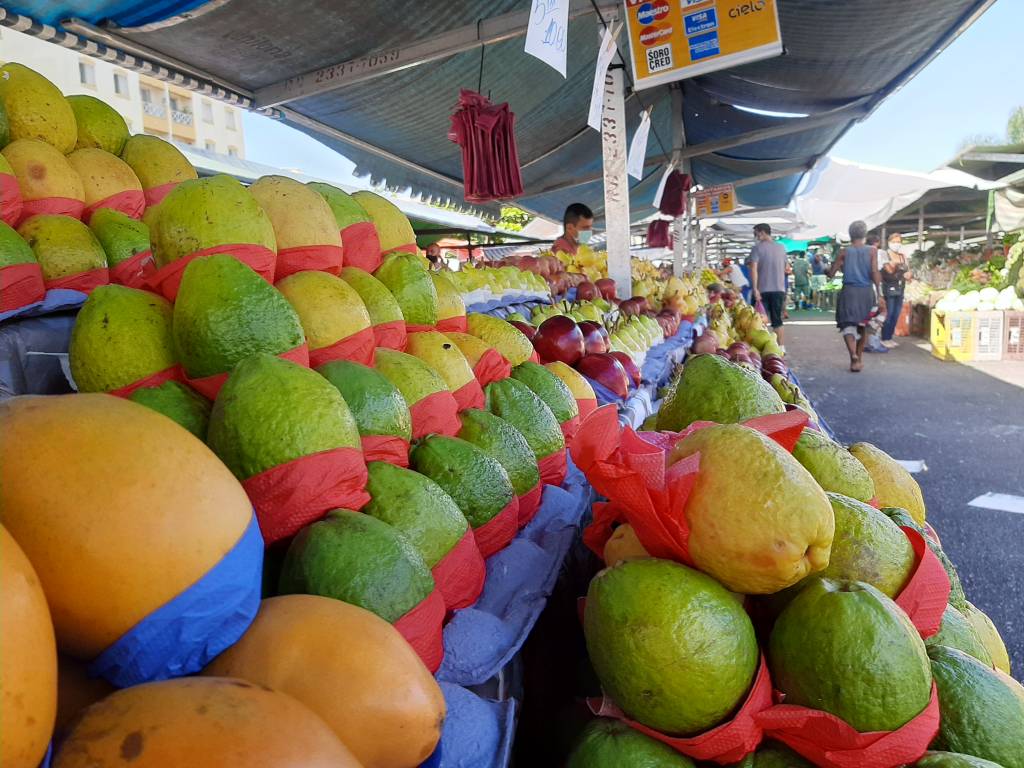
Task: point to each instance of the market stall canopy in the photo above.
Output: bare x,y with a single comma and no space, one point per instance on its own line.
995,163
378,81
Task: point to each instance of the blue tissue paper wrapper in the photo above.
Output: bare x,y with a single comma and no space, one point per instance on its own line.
482,639
185,634
478,733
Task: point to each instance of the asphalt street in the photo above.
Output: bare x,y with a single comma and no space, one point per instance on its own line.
966,424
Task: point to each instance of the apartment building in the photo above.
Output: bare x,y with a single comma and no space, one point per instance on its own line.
148,105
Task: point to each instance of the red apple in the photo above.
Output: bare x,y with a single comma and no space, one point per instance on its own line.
630,307
629,365
527,330
595,337
606,371
559,338
706,342
607,288
586,291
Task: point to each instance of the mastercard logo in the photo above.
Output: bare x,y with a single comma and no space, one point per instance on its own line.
655,33
649,12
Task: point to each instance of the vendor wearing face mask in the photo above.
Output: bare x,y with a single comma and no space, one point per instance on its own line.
577,226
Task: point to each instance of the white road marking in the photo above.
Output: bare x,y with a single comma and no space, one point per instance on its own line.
1004,502
913,465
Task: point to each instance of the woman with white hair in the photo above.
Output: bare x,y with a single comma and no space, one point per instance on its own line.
861,296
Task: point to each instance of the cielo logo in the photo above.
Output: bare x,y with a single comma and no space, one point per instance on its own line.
648,13
744,9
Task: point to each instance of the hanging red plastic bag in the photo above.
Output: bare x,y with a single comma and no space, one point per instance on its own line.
357,347
10,200
360,246
492,366
926,593
173,373
209,386
292,495
83,281
490,160
460,574
390,335
389,448
630,470
674,196
529,503
494,535
421,627
435,414
658,234
130,202
54,206
314,258
260,259
135,271
469,395
21,285
830,742
724,744
457,324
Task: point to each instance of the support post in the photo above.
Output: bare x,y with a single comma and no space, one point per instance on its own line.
678,142
616,180
920,229
691,236
962,245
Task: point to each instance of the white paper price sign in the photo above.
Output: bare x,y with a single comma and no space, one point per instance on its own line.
547,35
638,146
605,54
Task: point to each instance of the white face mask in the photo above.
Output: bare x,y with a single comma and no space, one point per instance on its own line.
584,236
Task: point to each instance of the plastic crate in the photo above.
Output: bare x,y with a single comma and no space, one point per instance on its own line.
987,330
1013,336
952,336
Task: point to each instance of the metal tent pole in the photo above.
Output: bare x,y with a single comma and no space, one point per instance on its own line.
616,180
920,229
678,142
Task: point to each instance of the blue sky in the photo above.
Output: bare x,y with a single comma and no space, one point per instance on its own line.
969,89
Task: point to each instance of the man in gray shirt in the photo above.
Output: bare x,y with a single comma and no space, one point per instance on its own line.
767,264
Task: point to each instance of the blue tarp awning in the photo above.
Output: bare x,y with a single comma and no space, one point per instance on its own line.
837,55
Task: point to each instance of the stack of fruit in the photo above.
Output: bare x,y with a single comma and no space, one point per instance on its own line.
386,441
746,552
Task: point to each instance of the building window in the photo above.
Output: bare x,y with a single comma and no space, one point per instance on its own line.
211,146
147,95
232,151
207,112
121,84
87,74
229,116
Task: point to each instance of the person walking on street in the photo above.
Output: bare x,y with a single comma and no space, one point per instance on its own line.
860,296
818,279
895,273
767,263
801,281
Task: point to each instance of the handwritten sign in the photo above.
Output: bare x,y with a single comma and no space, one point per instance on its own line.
605,54
638,146
547,34
675,39
717,200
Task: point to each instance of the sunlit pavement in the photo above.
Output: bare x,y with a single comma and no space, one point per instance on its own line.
966,422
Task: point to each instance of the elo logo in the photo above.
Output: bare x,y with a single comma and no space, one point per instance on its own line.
651,12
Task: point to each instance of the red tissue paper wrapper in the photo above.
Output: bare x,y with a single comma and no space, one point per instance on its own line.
830,742
435,414
209,386
174,373
83,281
167,279
358,347
313,258
155,195
130,202
492,366
360,246
469,395
21,285
134,272
421,627
390,335
529,503
55,206
292,495
496,533
10,200
553,467
389,448
926,593
457,324
460,574
724,744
